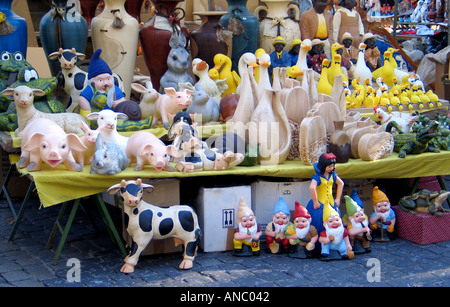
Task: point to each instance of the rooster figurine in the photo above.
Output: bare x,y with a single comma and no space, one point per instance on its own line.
404,120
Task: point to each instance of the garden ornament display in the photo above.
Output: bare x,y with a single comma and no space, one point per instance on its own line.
247,233
101,92
148,98
145,222
301,234
26,112
145,148
276,239
425,201
107,124
358,227
169,104
177,63
335,237
382,220
44,141
109,158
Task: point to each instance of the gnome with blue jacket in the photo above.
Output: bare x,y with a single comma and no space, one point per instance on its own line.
276,239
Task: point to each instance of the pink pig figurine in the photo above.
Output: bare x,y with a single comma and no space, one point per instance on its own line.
43,140
169,104
145,148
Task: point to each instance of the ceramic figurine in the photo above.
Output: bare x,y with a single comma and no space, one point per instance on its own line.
109,158
403,119
223,65
425,201
116,33
148,98
214,88
279,57
246,235
26,111
294,50
89,140
246,60
144,147
177,63
277,21
334,240
318,23
372,53
301,234
276,239
203,108
316,55
361,72
45,141
382,220
147,222
350,53
358,228
347,19
107,125
321,189
101,92
13,30
169,104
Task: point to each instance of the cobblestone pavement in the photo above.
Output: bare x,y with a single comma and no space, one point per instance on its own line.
26,262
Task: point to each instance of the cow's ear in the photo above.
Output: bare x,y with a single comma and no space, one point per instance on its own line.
147,187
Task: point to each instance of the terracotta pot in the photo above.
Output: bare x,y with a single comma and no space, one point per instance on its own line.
88,8
340,143
204,40
155,35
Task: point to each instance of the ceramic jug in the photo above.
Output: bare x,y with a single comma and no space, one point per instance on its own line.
116,33
340,143
277,23
13,30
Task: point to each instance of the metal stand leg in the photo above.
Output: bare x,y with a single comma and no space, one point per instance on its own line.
21,210
4,190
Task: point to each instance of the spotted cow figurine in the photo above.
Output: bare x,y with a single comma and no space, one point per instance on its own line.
145,222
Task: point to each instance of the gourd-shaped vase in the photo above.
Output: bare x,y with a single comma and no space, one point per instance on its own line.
116,33
277,22
209,38
270,125
13,30
340,143
155,35
62,27
245,28
88,8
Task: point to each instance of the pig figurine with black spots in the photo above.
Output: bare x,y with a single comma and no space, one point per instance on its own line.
145,148
44,141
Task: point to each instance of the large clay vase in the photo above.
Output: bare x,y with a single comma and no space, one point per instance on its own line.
118,43
13,30
245,28
88,8
134,7
209,39
155,35
277,23
62,27
340,143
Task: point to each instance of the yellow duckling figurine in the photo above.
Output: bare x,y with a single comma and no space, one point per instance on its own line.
384,97
369,99
415,99
395,100
356,85
386,71
223,65
324,86
213,74
395,87
434,98
405,82
335,67
258,53
357,99
294,72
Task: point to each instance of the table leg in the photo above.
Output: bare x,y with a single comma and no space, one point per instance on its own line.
4,190
21,210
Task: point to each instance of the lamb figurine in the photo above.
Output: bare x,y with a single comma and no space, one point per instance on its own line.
107,124
26,112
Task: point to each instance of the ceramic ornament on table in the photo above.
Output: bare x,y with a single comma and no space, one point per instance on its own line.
148,98
169,104
204,109
44,141
147,222
89,140
107,125
247,100
361,70
214,88
109,158
247,59
223,65
116,33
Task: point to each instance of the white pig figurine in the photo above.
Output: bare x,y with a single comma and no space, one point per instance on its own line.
44,141
169,104
145,148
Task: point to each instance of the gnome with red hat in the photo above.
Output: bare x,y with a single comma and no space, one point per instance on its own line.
301,234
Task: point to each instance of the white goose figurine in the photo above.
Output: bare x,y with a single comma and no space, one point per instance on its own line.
361,69
304,48
246,59
200,68
264,78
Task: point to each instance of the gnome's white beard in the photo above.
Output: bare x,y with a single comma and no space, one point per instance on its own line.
360,225
337,233
385,215
302,232
280,228
110,96
252,230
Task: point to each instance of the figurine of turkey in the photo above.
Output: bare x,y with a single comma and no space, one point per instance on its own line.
404,120
213,88
223,65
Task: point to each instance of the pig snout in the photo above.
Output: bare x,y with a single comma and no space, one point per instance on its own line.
158,161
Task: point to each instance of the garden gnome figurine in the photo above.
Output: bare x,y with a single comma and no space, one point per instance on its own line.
382,220
358,228
276,230
334,239
101,92
246,235
301,234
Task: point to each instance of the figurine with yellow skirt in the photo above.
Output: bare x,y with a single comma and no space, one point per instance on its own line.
246,235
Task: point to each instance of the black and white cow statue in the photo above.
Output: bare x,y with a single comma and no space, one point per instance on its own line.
145,222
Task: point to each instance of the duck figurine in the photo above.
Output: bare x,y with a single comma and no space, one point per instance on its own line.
323,86
223,65
335,69
361,70
305,47
247,59
294,72
200,68
258,53
264,78
434,98
386,71
395,100
357,99
381,84
399,74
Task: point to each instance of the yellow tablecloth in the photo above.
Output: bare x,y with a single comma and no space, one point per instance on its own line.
58,185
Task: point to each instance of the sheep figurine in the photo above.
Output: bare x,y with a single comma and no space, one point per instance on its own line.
23,99
107,124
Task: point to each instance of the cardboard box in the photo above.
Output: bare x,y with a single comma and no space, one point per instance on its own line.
36,57
217,211
265,195
422,228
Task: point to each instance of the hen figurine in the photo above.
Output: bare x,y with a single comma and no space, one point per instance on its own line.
404,120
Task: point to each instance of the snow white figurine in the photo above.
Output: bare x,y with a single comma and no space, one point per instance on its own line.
321,189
